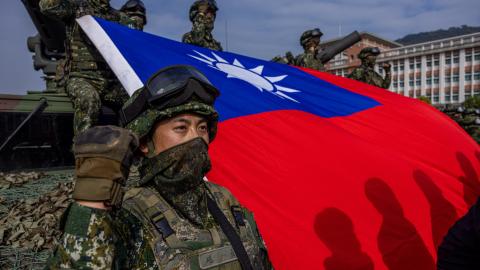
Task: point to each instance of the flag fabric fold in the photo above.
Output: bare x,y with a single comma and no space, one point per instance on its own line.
339,174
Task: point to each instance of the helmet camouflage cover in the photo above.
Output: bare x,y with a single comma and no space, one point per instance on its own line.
136,7
368,51
194,8
309,34
143,124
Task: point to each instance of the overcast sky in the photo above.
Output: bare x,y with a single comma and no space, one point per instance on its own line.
256,28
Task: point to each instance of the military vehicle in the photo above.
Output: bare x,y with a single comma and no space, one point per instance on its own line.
36,129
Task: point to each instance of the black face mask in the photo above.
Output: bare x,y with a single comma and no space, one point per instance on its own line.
178,169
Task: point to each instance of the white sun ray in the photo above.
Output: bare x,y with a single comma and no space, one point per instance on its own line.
286,89
253,76
219,59
238,64
257,70
285,96
205,56
275,79
201,59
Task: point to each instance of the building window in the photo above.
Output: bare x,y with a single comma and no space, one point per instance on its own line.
429,81
468,58
436,98
395,68
402,84
448,79
477,57
418,82
410,83
476,77
448,61
455,78
468,77
429,63
456,60
436,80
419,65
455,97
395,84
412,66
476,91
447,97
402,68
436,62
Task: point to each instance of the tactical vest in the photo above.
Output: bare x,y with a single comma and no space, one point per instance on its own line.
178,244
81,53
308,60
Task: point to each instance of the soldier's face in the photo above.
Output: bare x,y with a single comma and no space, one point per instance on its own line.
177,130
371,59
312,45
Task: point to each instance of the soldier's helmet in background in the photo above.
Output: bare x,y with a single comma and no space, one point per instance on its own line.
194,7
135,7
309,34
368,51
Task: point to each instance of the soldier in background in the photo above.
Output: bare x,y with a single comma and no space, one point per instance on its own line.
366,72
310,41
202,15
89,82
136,10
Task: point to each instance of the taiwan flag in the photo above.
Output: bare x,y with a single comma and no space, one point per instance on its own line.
339,174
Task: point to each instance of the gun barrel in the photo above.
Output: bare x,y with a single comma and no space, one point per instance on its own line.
328,53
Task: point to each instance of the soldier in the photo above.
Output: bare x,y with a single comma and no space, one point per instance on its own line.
310,41
173,218
88,80
366,73
202,16
136,10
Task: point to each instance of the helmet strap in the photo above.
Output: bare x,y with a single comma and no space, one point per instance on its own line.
150,147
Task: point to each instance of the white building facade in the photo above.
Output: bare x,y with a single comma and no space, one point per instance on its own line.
445,71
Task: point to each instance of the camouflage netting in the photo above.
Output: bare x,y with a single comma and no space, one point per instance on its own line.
31,205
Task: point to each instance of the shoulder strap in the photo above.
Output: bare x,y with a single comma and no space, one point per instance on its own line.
231,234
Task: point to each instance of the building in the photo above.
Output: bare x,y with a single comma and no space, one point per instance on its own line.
445,71
346,61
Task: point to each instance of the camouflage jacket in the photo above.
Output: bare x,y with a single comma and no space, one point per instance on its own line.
82,58
202,37
370,76
205,40
147,233
309,60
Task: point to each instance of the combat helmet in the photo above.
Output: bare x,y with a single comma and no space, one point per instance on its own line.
309,34
136,7
169,92
368,51
194,7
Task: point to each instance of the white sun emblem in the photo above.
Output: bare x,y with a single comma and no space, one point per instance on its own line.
252,76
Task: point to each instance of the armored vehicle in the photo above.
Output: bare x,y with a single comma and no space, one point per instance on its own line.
36,129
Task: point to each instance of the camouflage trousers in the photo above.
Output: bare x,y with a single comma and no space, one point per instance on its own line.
88,95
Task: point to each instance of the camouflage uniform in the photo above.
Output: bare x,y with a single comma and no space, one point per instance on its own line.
162,222
366,73
89,81
310,40
201,34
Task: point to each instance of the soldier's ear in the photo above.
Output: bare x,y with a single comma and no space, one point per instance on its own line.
143,147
